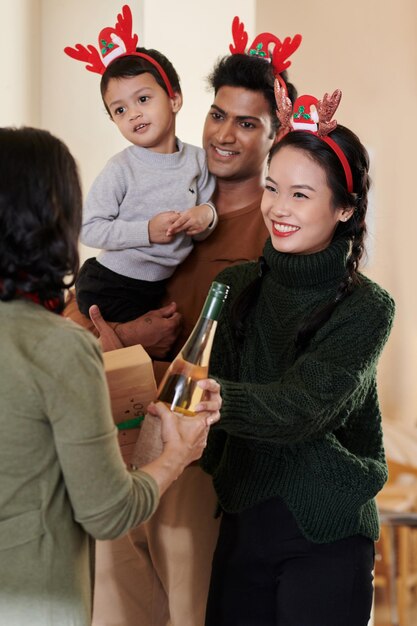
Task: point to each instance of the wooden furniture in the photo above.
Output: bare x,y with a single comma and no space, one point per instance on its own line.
396,560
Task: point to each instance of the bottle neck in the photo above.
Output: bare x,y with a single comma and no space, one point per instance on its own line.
212,306
200,340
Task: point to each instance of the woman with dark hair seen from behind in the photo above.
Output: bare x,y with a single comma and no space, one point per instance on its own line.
297,457
61,473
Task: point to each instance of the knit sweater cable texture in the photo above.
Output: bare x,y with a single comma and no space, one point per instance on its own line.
307,429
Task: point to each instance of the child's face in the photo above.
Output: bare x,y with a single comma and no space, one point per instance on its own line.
297,204
143,112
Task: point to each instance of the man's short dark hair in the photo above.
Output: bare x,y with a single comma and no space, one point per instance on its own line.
254,74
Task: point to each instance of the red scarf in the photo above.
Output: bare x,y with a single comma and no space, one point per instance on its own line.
53,304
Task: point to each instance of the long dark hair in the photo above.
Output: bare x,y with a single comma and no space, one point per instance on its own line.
40,215
353,230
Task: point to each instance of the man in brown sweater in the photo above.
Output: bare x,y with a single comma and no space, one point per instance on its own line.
160,573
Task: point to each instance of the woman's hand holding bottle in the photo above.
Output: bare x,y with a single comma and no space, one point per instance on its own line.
177,429
183,438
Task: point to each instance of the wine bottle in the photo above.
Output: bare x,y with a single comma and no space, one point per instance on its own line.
178,388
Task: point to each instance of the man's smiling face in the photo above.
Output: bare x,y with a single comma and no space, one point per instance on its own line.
238,133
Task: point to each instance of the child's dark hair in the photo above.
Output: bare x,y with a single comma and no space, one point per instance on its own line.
40,215
353,230
254,74
131,65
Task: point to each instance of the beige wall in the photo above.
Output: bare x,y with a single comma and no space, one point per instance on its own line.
368,49
20,65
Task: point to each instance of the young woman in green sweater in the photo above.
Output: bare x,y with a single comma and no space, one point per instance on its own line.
297,456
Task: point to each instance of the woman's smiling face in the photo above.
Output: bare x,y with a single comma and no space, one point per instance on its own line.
297,203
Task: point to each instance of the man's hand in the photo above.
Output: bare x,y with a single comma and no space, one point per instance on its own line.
107,335
156,331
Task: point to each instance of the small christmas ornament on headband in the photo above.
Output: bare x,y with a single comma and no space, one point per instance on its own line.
265,46
314,116
114,43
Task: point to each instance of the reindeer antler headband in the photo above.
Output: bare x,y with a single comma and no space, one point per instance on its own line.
115,43
314,116
261,48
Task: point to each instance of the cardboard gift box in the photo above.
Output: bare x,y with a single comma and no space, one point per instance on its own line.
132,387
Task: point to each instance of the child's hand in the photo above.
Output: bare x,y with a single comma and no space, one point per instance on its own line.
160,225
193,221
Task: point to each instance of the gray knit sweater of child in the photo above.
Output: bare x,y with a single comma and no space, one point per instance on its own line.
133,187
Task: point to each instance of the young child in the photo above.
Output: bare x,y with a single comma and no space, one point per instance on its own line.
152,199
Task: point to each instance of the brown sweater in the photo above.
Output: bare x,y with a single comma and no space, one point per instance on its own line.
239,236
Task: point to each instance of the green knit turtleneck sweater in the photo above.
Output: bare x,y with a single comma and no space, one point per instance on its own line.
306,428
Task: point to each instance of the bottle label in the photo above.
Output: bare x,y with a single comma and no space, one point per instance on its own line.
180,391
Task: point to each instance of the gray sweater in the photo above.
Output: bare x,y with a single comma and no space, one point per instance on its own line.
135,185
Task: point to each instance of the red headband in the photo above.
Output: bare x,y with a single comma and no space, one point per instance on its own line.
115,43
260,48
314,116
